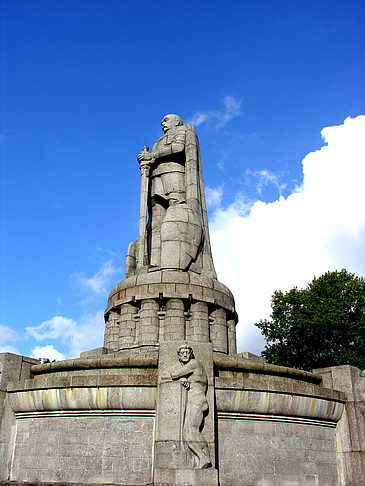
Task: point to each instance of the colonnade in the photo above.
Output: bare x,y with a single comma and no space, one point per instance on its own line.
148,321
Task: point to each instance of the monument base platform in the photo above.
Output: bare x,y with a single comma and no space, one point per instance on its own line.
94,421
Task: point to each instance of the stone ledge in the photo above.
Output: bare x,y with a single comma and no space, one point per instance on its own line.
271,403
61,483
92,398
107,361
237,363
233,380
83,382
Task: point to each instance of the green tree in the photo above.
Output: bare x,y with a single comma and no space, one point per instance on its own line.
319,326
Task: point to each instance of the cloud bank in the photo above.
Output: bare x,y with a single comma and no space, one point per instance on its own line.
47,351
84,334
261,247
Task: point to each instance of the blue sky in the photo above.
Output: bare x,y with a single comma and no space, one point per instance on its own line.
84,87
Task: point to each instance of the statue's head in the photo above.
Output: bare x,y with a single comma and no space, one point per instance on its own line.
170,121
185,354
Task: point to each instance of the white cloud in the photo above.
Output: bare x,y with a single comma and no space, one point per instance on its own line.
199,117
213,196
89,333
99,284
7,334
47,351
55,328
220,118
9,349
79,336
279,245
264,178
85,332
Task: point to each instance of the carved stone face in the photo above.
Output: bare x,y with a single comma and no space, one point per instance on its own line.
185,355
170,121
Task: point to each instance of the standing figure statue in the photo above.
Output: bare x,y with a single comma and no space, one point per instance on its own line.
176,234
194,381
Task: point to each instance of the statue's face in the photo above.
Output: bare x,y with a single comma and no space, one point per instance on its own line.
168,122
185,355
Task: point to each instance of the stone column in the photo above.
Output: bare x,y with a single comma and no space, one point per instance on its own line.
218,334
149,322
199,322
161,325
232,346
174,320
127,326
112,331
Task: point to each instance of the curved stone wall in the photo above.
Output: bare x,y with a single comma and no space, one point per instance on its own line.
282,424
94,419
89,420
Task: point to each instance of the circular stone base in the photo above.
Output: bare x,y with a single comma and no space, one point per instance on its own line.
168,305
171,284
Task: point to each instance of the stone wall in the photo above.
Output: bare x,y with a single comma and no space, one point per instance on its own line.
84,447
12,367
276,426
92,420
351,427
273,452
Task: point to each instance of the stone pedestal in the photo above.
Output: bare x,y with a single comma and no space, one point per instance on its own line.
170,305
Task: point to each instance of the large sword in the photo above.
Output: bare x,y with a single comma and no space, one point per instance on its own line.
145,174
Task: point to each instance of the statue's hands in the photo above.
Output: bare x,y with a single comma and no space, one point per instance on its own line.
145,158
185,383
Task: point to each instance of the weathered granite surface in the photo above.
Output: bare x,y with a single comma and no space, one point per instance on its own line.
170,305
96,418
185,431
12,367
176,235
351,427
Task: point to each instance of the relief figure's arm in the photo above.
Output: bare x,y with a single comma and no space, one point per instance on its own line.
184,371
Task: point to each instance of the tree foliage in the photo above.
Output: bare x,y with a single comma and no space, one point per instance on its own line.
319,326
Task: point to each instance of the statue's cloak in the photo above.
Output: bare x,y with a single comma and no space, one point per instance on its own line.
195,198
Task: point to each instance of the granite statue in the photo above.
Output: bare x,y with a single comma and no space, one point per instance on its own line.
173,229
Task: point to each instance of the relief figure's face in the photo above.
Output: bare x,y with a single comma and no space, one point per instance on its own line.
185,355
170,121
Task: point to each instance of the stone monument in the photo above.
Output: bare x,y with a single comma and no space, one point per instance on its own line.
167,401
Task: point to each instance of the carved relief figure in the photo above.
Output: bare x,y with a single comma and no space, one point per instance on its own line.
176,233
193,379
